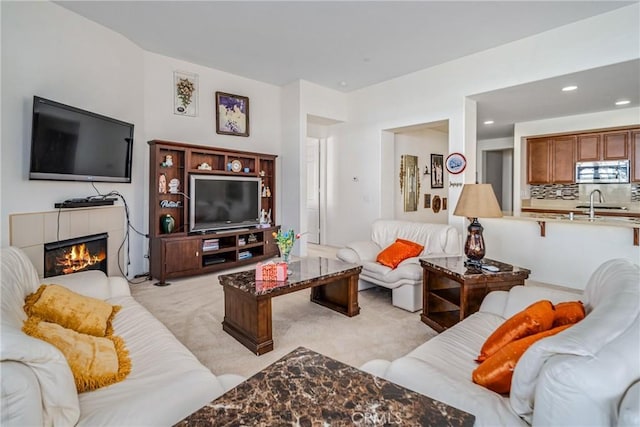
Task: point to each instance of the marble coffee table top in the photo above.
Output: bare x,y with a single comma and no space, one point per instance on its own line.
305,388
301,272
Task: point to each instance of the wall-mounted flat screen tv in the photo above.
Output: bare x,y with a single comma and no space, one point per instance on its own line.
70,144
221,202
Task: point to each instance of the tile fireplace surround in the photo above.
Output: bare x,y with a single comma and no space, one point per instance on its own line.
30,231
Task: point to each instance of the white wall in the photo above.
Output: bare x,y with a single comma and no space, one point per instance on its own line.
567,256
265,115
51,52
439,93
422,144
265,132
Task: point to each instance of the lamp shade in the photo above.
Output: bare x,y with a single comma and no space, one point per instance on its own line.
478,201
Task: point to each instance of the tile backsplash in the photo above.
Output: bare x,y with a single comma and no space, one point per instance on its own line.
613,193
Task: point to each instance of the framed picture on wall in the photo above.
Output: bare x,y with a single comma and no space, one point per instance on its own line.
437,175
185,93
232,114
427,201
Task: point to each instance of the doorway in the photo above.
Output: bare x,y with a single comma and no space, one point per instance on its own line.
313,190
497,170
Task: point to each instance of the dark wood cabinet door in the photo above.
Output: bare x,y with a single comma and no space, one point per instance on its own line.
635,156
615,145
182,255
588,148
563,158
539,161
270,245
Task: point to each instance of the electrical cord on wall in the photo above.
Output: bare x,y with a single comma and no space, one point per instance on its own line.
127,233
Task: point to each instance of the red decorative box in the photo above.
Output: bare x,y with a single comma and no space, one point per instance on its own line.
271,272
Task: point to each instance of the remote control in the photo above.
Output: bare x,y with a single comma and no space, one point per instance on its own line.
490,268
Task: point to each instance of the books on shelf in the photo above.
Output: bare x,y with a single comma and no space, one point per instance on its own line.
211,244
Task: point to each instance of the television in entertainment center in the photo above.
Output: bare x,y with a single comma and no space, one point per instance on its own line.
218,202
70,144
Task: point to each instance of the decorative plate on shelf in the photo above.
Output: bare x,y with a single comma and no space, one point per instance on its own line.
456,163
236,166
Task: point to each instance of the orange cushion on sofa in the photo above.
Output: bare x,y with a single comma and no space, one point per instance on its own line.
496,372
398,251
536,318
568,313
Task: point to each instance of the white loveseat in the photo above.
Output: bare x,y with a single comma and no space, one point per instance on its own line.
587,375
439,240
166,382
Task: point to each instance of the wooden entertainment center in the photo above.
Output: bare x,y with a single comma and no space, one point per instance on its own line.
174,251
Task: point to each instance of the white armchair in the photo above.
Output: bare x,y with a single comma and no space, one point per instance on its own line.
439,240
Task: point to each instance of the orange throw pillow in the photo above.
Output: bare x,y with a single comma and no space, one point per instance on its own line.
496,372
399,251
568,313
536,318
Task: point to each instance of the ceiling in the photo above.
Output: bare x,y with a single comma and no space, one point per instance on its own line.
347,45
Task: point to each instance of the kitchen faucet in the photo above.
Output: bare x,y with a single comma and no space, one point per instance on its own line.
600,200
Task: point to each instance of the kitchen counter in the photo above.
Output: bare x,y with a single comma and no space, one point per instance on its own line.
631,221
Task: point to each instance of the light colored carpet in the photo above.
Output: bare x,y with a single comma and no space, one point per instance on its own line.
193,309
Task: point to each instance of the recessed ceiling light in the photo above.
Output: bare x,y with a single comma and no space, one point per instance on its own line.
569,88
623,102
343,84
488,122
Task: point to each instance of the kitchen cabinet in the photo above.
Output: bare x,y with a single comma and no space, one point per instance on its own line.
588,148
563,159
615,145
635,156
539,160
551,160
595,147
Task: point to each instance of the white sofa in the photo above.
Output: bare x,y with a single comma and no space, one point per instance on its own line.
166,382
586,375
439,240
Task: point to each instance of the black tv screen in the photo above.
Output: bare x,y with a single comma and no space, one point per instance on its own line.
71,144
219,202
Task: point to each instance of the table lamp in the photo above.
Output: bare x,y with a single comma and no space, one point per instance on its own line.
476,200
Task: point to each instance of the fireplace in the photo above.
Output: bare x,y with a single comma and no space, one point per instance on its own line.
75,255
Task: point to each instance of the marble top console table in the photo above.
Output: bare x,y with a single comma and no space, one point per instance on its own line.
306,388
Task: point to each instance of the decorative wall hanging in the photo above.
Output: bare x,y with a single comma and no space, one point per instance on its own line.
436,204
444,203
456,162
232,114
427,201
410,182
185,93
437,175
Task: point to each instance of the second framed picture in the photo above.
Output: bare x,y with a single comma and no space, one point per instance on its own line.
437,176
232,114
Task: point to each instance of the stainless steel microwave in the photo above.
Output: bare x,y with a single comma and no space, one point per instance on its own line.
610,171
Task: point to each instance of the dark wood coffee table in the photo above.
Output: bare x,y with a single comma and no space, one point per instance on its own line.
305,388
247,303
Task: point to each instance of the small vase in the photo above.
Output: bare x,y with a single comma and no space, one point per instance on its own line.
285,251
167,223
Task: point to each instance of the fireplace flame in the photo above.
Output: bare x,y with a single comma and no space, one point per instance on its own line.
79,258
